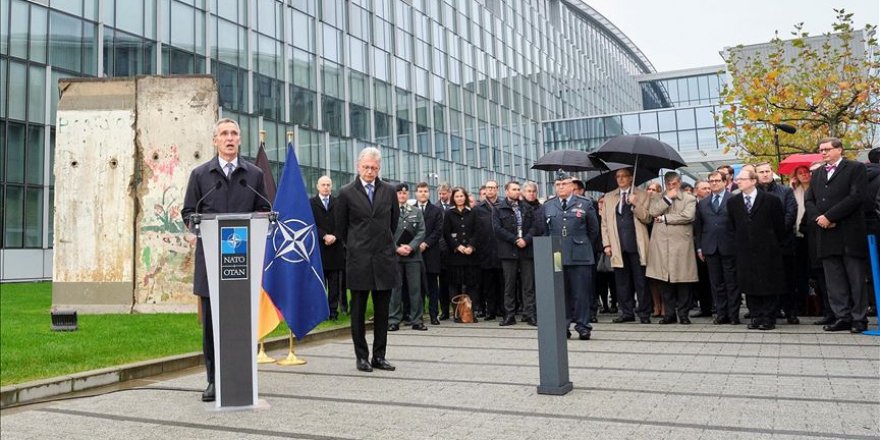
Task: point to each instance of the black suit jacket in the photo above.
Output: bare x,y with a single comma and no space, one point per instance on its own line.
840,200
758,235
433,256
333,256
230,197
506,232
368,233
713,233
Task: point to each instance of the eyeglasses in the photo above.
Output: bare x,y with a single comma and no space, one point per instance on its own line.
716,180
369,168
825,150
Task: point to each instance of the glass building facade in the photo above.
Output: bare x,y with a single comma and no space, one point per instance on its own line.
450,90
682,91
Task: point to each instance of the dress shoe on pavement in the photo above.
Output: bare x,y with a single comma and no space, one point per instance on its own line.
644,320
793,320
719,321
621,319
363,365
584,335
435,321
664,321
747,315
824,321
753,325
419,327
382,364
684,321
838,326
767,326
510,320
444,316
490,317
532,322
208,395
393,327
858,327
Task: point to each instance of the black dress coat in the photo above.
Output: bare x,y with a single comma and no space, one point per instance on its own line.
460,228
506,232
713,233
333,256
368,233
229,197
840,200
488,253
432,256
758,236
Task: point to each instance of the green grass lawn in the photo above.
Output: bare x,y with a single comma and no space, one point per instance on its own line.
29,350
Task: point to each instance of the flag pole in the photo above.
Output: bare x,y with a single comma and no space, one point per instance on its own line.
291,358
262,357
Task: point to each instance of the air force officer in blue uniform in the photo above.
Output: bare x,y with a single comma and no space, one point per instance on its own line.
573,218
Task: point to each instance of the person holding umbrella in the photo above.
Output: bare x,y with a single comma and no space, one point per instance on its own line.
625,240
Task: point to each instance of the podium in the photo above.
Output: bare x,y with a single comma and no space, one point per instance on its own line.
234,246
550,298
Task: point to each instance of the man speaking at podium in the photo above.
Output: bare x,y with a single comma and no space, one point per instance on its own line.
225,184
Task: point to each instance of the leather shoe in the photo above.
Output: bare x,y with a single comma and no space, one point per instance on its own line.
393,327
584,335
567,334
858,327
664,321
753,325
684,321
621,319
444,316
420,327
435,321
382,364
767,326
824,321
532,322
363,365
793,320
208,395
644,320
510,320
838,326
490,317
720,320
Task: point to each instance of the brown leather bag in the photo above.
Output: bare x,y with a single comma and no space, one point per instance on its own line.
464,311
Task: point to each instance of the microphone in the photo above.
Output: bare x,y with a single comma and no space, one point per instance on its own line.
196,218
273,216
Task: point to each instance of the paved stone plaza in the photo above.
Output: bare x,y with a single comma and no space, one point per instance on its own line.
479,381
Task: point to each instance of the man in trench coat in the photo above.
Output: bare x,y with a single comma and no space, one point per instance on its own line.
367,215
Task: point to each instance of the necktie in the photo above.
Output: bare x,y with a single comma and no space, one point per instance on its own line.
749,203
229,168
565,204
829,169
622,203
422,207
326,203
369,187
716,202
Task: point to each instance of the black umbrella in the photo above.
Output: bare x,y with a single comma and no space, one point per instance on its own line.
568,160
639,150
606,182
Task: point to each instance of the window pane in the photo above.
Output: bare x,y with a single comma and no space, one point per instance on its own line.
37,94
39,31
649,122
15,149
128,17
360,122
12,221
667,120
302,106
18,29
333,116
17,91
65,42
303,69
33,218
34,159
685,119
630,124
705,118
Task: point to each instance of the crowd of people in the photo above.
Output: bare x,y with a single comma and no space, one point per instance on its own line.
670,251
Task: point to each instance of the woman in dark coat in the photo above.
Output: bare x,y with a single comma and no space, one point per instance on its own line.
459,231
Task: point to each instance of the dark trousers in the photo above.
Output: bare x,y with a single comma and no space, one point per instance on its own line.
606,290
207,337
762,308
802,271
722,277
677,298
703,289
335,292
578,295
788,301
432,290
491,291
847,293
444,294
381,299
522,270
818,274
632,286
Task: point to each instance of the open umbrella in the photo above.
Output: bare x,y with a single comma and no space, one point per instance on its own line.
640,151
795,160
568,160
606,182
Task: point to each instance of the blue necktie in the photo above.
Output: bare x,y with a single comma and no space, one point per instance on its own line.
326,203
749,204
716,203
369,187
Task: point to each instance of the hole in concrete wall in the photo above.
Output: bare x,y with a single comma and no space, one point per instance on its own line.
74,164
197,155
113,163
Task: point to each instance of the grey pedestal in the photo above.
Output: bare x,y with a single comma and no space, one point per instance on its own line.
550,296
